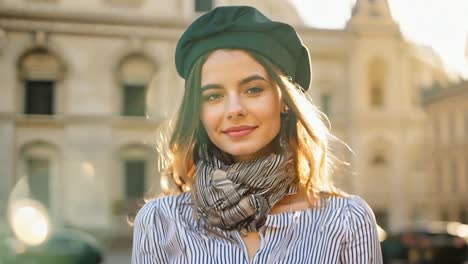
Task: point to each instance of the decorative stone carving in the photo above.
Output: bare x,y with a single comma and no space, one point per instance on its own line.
135,69
40,38
40,64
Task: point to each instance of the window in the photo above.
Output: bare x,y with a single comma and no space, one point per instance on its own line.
134,74
40,71
38,171
134,100
39,167
325,100
134,179
203,5
376,78
378,165
135,162
39,97
376,95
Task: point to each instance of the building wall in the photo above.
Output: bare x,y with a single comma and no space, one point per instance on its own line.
448,113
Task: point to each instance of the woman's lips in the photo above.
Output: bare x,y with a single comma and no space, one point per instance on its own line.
237,132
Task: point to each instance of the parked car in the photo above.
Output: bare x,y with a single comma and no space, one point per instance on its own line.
61,247
432,242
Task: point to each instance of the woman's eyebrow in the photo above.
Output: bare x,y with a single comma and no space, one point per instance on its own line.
251,78
241,82
210,86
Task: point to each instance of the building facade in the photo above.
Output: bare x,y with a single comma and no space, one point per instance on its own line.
448,111
86,84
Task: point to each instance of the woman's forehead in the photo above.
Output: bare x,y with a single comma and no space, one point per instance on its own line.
230,63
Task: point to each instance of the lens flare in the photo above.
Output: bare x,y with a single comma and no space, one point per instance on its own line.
29,221
88,170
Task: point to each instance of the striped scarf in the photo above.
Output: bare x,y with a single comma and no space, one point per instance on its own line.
240,196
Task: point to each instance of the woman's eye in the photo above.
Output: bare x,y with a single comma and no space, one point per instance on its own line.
254,90
211,97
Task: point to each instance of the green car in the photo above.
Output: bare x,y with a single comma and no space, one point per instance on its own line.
61,247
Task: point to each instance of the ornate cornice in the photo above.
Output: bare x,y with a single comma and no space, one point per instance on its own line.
22,120
89,23
447,95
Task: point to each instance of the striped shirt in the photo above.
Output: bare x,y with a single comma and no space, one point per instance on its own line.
341,231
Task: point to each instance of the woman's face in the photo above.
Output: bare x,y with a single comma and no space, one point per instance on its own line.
240,104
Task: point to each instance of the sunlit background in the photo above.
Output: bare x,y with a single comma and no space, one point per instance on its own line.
86,87
442,25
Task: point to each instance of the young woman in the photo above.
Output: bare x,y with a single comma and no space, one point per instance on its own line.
249,155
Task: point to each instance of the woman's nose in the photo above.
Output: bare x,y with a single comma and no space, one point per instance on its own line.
234,108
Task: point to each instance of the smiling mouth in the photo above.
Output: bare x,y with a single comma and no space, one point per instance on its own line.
239,132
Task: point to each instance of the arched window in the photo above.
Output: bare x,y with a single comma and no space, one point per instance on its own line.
39,71
134,74
138,177
378,169
39,163
376,82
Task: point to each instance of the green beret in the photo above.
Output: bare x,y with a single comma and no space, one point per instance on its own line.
244,27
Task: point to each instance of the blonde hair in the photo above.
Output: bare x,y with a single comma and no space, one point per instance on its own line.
306,135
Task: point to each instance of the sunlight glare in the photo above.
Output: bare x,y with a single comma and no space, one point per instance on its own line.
29,222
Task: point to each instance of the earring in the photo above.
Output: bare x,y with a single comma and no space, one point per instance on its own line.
285,109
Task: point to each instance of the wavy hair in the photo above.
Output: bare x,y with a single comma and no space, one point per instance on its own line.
302,129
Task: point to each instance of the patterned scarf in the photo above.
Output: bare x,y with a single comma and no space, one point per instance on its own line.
240,196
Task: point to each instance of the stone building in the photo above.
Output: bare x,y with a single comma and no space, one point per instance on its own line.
448,161
78,116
